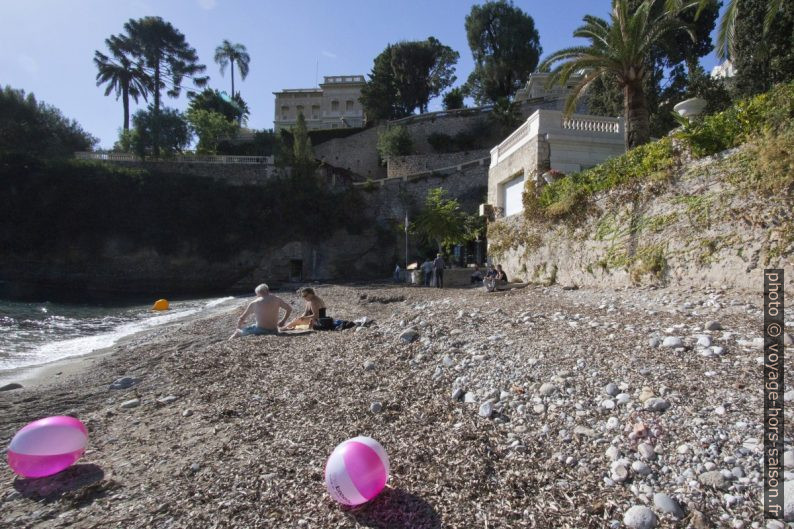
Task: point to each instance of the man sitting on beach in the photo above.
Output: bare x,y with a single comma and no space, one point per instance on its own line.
265,308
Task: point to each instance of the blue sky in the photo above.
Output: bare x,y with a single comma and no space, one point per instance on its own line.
47,46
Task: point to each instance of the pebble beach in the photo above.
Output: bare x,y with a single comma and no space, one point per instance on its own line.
540,408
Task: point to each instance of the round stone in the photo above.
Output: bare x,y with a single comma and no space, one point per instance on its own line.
667,505
672,342
376,407
641,468
611,389
713,325
646,451
640,517
547,389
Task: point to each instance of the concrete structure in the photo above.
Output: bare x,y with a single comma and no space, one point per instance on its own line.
535,89
333,105
548,140
725,70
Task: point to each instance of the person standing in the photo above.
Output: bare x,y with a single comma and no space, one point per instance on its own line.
427,271
438,271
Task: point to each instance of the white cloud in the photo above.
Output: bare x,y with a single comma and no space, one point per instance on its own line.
328,54
28,63
207,4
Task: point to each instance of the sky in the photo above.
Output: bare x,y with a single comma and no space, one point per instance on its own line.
47,46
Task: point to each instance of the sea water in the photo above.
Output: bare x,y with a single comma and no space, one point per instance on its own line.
32,334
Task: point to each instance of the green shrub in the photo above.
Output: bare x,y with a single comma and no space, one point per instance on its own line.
394,141
652,161
743,121
441,142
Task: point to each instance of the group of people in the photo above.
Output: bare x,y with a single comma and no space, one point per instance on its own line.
266,309
493,279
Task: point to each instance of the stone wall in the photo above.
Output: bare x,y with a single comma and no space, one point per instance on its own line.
698,231
398,166
356,153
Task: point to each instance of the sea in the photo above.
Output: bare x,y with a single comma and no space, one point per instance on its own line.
33,334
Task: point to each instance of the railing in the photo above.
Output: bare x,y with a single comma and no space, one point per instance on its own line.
554,123
179,158
441,171
589,124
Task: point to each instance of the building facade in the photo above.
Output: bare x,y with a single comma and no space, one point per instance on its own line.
548,140
334,105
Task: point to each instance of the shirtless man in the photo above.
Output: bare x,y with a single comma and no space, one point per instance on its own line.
265,308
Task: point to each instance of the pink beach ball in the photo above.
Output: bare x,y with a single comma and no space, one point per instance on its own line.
357,471
47,446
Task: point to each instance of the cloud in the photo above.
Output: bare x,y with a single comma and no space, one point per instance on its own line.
207,4
28,63
328,54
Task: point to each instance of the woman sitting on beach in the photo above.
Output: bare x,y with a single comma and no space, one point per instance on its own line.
314,316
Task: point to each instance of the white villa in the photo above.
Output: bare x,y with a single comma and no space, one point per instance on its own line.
548,140
333,105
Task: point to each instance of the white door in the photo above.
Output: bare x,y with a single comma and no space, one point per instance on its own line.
513,190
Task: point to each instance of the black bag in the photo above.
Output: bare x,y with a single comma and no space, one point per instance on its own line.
324,324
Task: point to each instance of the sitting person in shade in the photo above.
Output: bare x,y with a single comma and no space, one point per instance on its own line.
495,280
314,316
265,308
476,275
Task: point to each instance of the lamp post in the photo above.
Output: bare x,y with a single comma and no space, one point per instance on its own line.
406,245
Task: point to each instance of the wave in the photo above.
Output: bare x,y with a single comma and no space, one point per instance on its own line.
70,347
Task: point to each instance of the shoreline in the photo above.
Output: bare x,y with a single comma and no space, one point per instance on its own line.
38,375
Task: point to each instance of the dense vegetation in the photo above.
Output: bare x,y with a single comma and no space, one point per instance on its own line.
54,208
34,128
406,76
765,119
505,46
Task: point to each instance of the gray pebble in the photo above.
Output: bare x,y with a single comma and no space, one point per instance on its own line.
654,342
646,451
714,479
713,325
376,407
409,335
123,383
547,389
167,400
457,393
132,403
486,409
640,517
641,468
667,505
611,389
369,365
672,342
656,404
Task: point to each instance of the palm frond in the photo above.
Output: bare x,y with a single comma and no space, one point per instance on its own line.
727,30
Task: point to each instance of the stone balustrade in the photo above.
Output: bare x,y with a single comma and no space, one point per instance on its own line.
554,123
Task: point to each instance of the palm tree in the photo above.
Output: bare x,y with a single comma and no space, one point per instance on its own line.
227,54
167,59
128,80
725,36
618,48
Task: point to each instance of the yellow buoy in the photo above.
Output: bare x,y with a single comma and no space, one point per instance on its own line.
160,304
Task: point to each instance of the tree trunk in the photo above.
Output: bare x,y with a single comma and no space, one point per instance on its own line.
638,128
156,121
232,65
125,95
